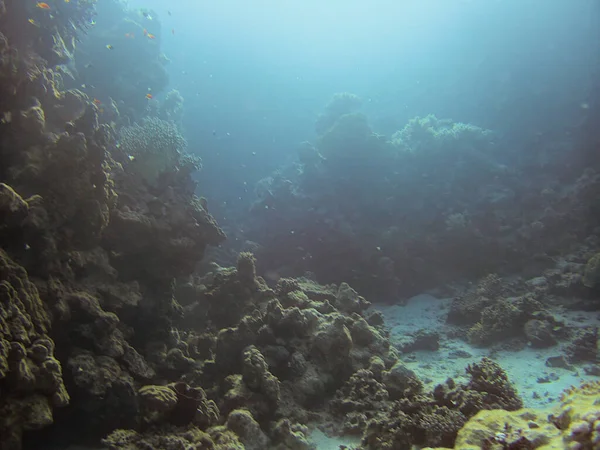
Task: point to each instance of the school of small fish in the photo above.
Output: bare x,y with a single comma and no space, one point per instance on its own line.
131,35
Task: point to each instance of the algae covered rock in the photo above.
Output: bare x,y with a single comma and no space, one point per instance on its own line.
496,427
348,300
247,428
156,402
166,438
591,274
573,424
292,436
332,344
400,381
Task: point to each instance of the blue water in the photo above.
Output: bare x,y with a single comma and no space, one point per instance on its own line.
255,75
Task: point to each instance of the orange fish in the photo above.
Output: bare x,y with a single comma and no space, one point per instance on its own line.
150,36
149,96
145,32
97,102
42,5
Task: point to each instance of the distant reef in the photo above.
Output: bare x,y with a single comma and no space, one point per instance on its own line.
437,202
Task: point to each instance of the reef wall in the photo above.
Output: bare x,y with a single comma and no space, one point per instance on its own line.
92,232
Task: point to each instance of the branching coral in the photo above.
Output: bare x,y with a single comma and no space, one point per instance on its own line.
359,400
487,377
154,146
393,431
441,425
503,319
429,134
466,309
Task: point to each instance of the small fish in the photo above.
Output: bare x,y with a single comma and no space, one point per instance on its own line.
67,1
97,102
110,47
129,35
42,5
92,22
33,22
149,96
88,66
169,12
131,157
150,36
172,30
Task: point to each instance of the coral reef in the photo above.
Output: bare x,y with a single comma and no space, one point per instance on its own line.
31,376
505,318
390,409
442,204
495,311
573,424
70,198
127,66
341,104
153,146
108,331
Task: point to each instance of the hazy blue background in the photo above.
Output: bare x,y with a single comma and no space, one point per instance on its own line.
256,73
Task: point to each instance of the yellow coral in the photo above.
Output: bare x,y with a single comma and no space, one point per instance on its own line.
573,424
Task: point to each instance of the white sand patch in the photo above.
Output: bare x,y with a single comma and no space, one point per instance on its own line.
523,367
324,442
